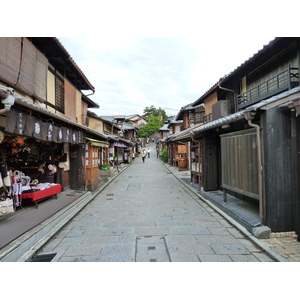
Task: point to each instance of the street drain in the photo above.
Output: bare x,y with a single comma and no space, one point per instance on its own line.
43,257
110,194
70,195
151,248
109,199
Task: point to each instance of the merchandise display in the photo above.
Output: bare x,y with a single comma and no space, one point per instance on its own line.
28,170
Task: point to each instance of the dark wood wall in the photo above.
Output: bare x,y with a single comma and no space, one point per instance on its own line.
210,161
77,172
279,170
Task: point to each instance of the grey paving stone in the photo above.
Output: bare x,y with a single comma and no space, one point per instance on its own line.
84,259
181,239
160,205
191,248
152,231
235,232
174,223
83,250
114,249
68,241
214,258
218,231
52,244
179,257
229,249
150,239
216,239
263,257
189,230
249,245
121,258
244,258
152,257
99,240
200,223
75,232
60,251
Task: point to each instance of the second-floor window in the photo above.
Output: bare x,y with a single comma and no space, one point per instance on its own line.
55,90
59,94
199,117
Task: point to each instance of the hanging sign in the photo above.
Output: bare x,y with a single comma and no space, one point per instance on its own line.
21,123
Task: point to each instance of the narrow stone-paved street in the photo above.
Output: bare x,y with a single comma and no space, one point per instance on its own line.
147,215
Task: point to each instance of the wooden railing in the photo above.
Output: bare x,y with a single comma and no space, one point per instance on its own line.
284,80
207,118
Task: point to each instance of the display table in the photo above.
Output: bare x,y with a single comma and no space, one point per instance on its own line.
39,195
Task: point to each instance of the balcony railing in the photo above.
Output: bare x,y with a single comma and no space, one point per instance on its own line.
284,80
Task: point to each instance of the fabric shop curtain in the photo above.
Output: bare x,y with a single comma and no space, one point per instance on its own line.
20,123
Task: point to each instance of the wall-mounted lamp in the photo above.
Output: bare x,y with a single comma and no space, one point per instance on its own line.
8,99
296,104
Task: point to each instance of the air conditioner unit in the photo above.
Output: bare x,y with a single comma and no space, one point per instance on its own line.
220,109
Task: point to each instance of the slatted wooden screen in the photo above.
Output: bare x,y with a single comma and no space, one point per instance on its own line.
23,67
10,54
239,162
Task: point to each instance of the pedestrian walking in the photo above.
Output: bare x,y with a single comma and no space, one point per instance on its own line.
143,155
148,152
157,153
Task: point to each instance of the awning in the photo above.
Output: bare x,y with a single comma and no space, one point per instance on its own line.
97,143
120,144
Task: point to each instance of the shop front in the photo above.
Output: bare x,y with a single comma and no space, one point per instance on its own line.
96,151
36,153
123,152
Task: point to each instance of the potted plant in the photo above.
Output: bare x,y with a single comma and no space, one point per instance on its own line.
107,170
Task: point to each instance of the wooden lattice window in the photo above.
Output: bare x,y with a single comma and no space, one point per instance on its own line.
199,117
59,94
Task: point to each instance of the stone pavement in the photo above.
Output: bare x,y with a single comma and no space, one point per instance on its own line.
285,244
147,215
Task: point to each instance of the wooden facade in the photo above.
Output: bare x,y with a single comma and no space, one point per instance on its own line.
281,156
91,164
253,151
239,162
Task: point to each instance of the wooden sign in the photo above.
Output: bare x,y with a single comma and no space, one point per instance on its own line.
181,148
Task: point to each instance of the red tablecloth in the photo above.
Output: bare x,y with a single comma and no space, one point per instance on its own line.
53,190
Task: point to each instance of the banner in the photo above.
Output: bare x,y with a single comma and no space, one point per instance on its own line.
20,123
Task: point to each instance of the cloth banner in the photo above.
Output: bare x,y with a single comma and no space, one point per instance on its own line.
20,123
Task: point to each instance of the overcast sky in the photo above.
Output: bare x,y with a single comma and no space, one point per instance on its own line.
130,73
165,53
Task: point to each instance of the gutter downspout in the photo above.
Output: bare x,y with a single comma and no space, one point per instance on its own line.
192,135
225,89
249,116
228,90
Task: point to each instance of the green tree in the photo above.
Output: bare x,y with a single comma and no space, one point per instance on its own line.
154,123
156,112
164,156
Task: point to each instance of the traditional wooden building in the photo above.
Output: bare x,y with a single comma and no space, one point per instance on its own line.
48,114
248,143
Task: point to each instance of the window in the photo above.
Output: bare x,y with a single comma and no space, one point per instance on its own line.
199,117
59,94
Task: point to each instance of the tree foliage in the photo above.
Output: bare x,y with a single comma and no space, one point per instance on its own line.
156,112
153,125
155,119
